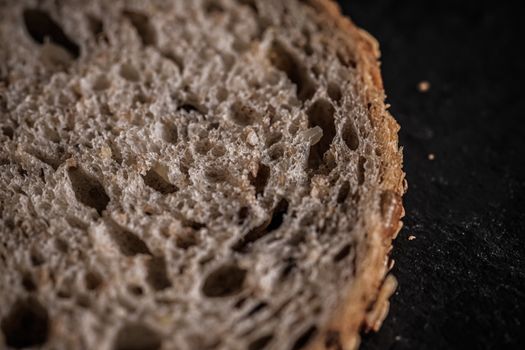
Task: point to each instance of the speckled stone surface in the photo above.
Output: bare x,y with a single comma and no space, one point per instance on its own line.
462,279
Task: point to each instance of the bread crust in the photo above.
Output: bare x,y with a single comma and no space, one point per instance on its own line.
366,304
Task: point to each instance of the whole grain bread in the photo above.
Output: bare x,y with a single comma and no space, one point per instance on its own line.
192,175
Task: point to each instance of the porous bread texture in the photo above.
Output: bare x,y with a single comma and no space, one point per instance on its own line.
192,175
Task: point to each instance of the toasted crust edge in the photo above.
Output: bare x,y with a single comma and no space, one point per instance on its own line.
367,304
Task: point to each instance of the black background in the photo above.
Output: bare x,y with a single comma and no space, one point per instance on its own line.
462,280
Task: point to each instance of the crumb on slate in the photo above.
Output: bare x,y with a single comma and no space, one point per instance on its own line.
411,237
423,86
431,156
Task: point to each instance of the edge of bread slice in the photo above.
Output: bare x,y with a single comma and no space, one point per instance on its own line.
374,286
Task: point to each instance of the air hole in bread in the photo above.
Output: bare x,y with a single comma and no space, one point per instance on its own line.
28,282
278,215
305,338
116,153
334,92
22,173
212,7
252,4
240,302
203,146
243,214
42,27
88,190
186,239
221,93
243,114
26,324
194,225
136,290
259,182
36,257
344,190
276,152
100,83
240,45
137,336
64,293
350,136
290,264
218,151
143,27
297,73
96,26
166,132
321,114
343,252
306,2
215,175
128,243
8,131
273,138
157,180
267,227
157,274
92,280
129,72
83,300
256,309
345,58
61,245
332,340
175,59
225,281
361,170
261,342
190,107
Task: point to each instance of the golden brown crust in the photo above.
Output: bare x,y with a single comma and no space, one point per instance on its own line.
367,302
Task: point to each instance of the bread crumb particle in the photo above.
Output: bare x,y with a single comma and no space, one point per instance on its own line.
398,338
431,156
423,86
411,237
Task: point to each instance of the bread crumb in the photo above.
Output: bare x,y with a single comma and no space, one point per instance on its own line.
398,338
423,86
411,237
431,156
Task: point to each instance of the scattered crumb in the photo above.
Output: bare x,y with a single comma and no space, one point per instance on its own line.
411,237
431,156
398,337
423,86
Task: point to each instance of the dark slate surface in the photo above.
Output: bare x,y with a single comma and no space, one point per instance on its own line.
462,280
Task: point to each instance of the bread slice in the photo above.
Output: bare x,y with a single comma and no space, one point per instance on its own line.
192,175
